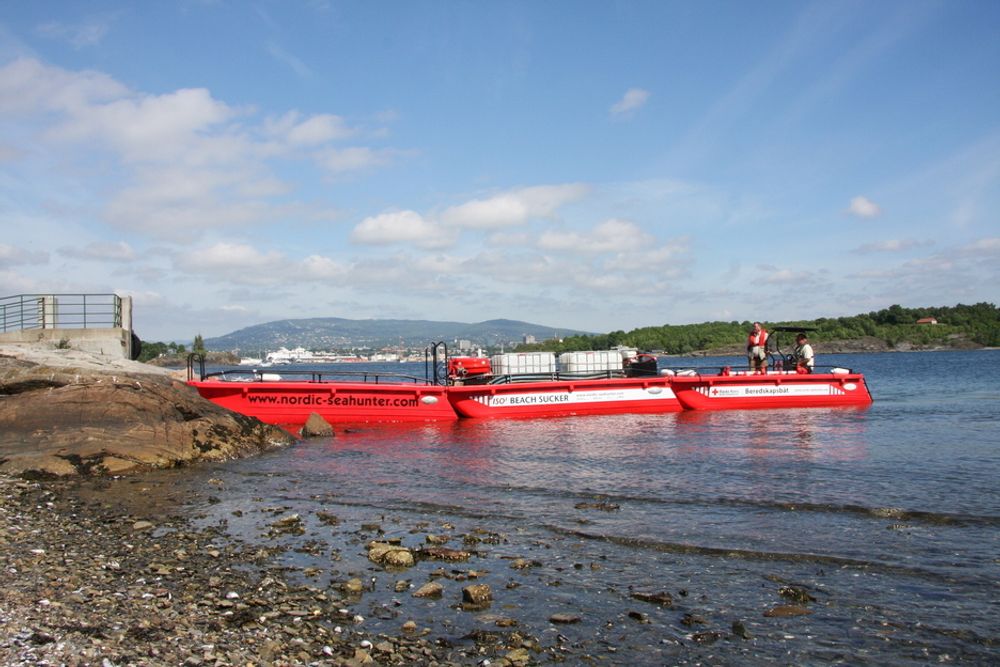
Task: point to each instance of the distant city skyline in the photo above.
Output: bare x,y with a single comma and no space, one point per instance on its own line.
581,165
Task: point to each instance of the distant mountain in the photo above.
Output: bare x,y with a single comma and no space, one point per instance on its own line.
336,333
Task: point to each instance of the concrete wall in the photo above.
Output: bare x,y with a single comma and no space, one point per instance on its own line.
109,341
115,343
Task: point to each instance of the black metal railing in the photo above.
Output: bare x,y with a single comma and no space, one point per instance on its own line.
60,311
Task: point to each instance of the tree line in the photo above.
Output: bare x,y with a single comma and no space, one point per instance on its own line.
894,325
151,351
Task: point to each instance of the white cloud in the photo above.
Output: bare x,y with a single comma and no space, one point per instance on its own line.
100,251
863,207
634,99
293,129
341,160
513,208
892,245
318,267
985,247
401,227
78,35
28,87
180,163
612,235
155,128
13,255
775,276
237,262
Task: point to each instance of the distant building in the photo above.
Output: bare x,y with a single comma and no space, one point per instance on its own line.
528,339
927,320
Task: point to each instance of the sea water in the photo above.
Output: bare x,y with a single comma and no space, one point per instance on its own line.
877,529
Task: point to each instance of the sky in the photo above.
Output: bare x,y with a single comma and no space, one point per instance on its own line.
589,165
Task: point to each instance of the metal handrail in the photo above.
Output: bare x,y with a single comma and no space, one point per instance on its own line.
741,370
254,375
60,311
197,359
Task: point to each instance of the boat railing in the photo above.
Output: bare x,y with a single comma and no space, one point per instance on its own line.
296,375
682,371
513,378
368,377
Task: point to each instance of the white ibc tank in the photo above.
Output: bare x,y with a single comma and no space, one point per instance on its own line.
515,363
590,362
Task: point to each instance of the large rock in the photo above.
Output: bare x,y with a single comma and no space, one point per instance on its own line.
89,418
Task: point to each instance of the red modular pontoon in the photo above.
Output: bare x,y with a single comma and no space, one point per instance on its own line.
786,389
557,398
522,385
289,402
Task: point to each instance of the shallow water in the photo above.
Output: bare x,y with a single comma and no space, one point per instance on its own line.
887,517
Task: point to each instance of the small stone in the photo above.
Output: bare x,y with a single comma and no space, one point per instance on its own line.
289,521
409,626
477,594
519,656
786,610
316,427
692,619
431,589
604,507
328,519
740,630
390,555
443,553
796,594
564,618
353,586
661,598
141,526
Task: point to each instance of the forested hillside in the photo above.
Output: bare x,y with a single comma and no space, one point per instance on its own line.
957,326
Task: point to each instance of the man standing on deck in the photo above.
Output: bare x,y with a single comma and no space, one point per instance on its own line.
757,349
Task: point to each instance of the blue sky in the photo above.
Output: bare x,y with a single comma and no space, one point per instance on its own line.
588,165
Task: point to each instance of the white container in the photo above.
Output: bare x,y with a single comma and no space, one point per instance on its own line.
590,362
519,363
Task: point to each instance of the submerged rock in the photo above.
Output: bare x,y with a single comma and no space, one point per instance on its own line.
390,555
477,594
785,610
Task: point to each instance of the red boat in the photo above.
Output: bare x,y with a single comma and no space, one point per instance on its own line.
776,389
782,386
288,399
521,385
562,397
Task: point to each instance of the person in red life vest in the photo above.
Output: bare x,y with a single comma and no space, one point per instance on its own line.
805,359
757,349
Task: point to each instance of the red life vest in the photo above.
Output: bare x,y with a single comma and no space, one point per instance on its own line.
758,339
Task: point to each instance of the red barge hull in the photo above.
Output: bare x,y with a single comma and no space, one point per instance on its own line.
559,398
289,403
773,390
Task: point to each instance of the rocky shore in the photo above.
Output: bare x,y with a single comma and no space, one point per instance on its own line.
84,582
65,412
86,579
